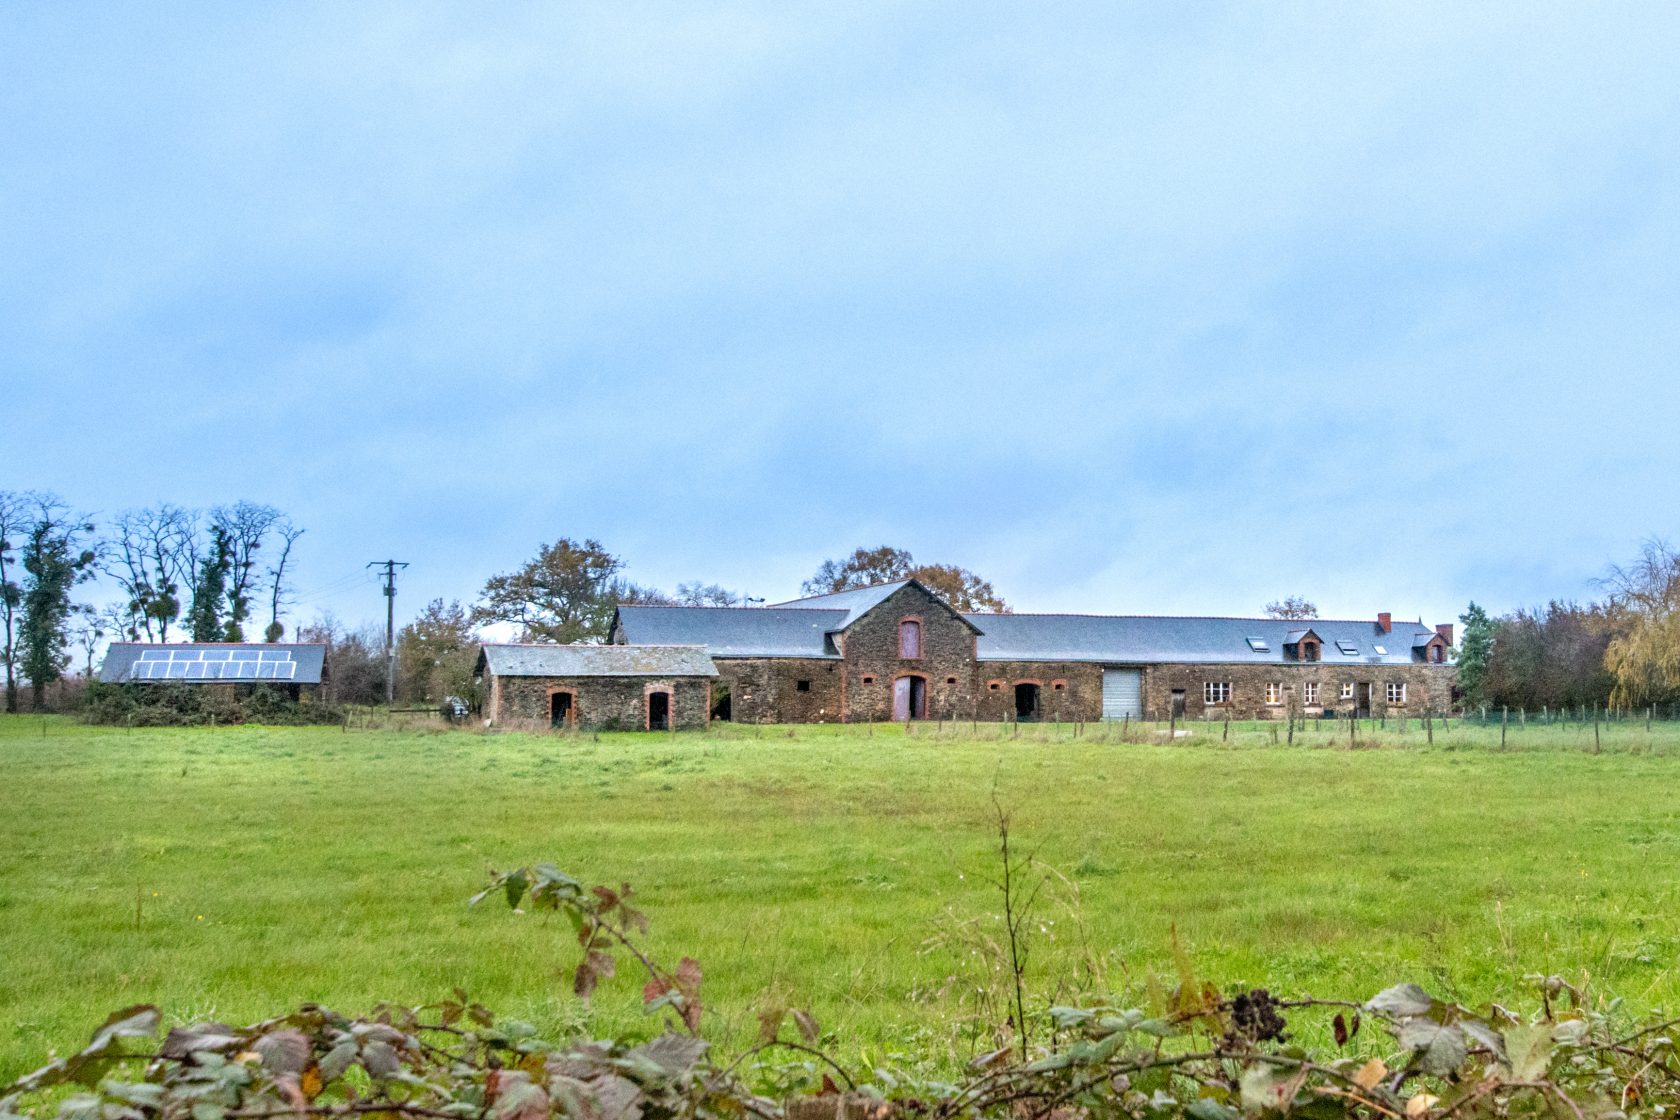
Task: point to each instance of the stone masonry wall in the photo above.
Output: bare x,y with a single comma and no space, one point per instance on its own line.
603,703
1428,689
1078,697
872,662
767,690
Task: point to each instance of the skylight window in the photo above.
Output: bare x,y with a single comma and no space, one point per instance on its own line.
1258,645
1382,651
1348,649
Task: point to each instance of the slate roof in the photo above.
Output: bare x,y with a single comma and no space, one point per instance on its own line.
802,628
598,661
857,602
736,631
1142,640
307,661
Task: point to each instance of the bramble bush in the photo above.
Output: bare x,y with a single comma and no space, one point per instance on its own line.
182,705
1194,1052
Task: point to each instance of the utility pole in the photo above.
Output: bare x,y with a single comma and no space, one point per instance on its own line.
390,567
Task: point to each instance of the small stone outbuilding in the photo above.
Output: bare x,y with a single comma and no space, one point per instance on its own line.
606,688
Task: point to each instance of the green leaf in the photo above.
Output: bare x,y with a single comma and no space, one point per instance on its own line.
1401,1001
515,885
1206,1108
1528,1051
1437,1050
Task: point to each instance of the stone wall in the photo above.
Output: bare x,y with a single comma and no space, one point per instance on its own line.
1428,689
1066,690
872,663
768,689
601,703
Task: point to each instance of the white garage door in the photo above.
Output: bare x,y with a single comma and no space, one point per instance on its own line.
1122,693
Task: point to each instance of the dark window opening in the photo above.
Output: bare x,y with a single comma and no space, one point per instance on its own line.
1309,651
659,711
1178,703
722,703
1026,702
560,709
1058,686
802,686
995,686
950,680
868,680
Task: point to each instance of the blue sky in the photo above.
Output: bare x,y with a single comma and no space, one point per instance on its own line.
1139,309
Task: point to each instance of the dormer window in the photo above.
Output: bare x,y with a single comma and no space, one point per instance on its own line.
1309,650
910,638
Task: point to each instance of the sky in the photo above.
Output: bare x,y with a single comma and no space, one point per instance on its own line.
1152,309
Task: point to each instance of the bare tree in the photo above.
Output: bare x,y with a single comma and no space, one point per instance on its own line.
88,630
1294,606
699,594
246,526
153,556
278,590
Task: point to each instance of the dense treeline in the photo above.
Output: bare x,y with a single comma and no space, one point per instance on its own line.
1622,652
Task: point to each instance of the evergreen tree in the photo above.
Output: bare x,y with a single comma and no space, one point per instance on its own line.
54,561
1475,650
204,619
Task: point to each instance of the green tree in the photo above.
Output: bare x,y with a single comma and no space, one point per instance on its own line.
204,617
54,561
1475,649
436,653
563,594
14,524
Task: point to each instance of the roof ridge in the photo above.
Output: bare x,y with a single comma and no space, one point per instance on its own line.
711,607
846,591
1181,617
596,645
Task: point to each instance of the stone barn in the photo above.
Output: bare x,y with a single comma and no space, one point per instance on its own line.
616,687
896,651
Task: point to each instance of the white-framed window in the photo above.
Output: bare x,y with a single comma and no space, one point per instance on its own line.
1396,692
1274,692
1216,692
1309,693
1347,690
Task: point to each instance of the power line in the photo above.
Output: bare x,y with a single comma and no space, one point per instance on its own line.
390,567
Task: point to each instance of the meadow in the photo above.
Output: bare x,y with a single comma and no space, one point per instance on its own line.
237,872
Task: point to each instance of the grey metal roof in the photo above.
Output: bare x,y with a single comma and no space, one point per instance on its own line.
599,661
1142,640
735,631
307,662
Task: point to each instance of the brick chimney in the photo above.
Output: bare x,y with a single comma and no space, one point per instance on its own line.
1445,629
1385,622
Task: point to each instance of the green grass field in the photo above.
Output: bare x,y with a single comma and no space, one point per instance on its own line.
275,866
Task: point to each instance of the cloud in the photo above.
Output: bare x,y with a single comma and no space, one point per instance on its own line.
1127,308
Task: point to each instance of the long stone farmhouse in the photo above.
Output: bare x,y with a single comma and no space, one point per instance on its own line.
895,652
